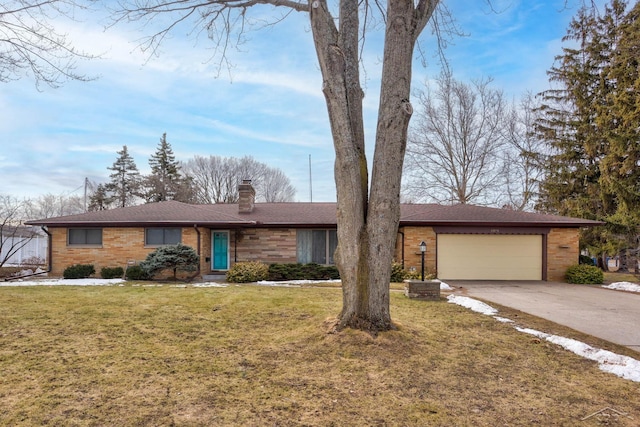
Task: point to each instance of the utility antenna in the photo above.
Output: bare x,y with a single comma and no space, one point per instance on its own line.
86,184
310,181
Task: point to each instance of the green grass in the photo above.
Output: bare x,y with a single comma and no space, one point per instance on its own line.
254,356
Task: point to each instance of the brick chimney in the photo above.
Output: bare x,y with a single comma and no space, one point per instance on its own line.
247,197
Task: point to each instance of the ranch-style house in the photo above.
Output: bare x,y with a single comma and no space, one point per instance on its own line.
463,242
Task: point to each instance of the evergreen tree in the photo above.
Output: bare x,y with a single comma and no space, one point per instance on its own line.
587,130
125,179
100,200
165,181
620,117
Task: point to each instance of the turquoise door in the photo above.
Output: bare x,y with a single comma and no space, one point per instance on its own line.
220,250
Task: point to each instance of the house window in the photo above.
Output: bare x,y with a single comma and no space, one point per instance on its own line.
162,236
316,246
85,236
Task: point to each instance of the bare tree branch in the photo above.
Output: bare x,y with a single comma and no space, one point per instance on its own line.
30,43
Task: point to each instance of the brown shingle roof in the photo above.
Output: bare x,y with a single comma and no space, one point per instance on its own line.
172,213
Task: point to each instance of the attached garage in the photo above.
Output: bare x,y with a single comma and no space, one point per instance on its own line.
490,257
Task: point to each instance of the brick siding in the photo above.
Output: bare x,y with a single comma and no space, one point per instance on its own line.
563,250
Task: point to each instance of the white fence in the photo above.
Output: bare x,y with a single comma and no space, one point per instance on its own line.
34,248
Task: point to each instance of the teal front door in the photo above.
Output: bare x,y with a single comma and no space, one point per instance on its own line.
220,247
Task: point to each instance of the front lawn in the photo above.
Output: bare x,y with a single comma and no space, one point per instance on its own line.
254,356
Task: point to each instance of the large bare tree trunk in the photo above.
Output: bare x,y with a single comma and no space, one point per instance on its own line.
367,229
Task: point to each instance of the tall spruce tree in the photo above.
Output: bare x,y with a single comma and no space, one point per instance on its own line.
125,179
165,181
575,123
620,118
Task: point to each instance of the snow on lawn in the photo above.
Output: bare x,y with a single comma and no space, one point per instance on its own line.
623,286
101,282
622,366
63,282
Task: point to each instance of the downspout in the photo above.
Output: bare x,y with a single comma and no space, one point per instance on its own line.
402,247
49,249
198,251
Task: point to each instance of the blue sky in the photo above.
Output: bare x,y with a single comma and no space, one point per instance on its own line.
269,105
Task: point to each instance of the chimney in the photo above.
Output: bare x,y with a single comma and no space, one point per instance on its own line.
247,197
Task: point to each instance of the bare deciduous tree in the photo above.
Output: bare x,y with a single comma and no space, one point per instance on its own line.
52,205
368,213
31,44
456,148
215,179
523,169
13,235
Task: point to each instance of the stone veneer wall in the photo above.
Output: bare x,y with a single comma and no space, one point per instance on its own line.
119,246
269,245
563,250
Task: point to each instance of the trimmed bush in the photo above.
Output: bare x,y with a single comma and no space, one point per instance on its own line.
78,271
111,272
309,271
171,257
135,272
587,260
584,274
398,274
247,272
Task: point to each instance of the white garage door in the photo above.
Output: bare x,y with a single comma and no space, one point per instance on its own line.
489,257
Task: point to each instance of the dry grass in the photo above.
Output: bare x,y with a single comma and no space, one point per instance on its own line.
254,356
612,277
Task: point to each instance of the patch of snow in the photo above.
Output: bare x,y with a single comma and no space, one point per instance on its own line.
63,282
210,285
472,304
294,283
623,286
445,287
622,366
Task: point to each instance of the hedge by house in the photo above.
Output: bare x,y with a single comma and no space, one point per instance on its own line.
584,274
111,272
298,271
78,271
247,272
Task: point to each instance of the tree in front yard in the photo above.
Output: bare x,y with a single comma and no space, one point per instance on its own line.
368,212
171,257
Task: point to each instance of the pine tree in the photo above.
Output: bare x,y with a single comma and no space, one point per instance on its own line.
166,181
592,124
125,179
100,200
620,117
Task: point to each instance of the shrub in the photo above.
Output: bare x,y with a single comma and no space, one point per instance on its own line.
587,260
298,271
246,272
171,257
584,274
78,271
135,272
111,272
399,274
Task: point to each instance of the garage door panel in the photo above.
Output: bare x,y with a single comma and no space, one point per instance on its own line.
489,257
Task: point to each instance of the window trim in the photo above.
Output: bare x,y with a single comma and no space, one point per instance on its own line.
156,245
84,244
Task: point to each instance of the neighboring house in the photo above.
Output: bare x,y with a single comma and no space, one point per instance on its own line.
22,245
463,241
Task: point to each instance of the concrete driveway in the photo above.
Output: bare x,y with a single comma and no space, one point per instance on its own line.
611,315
